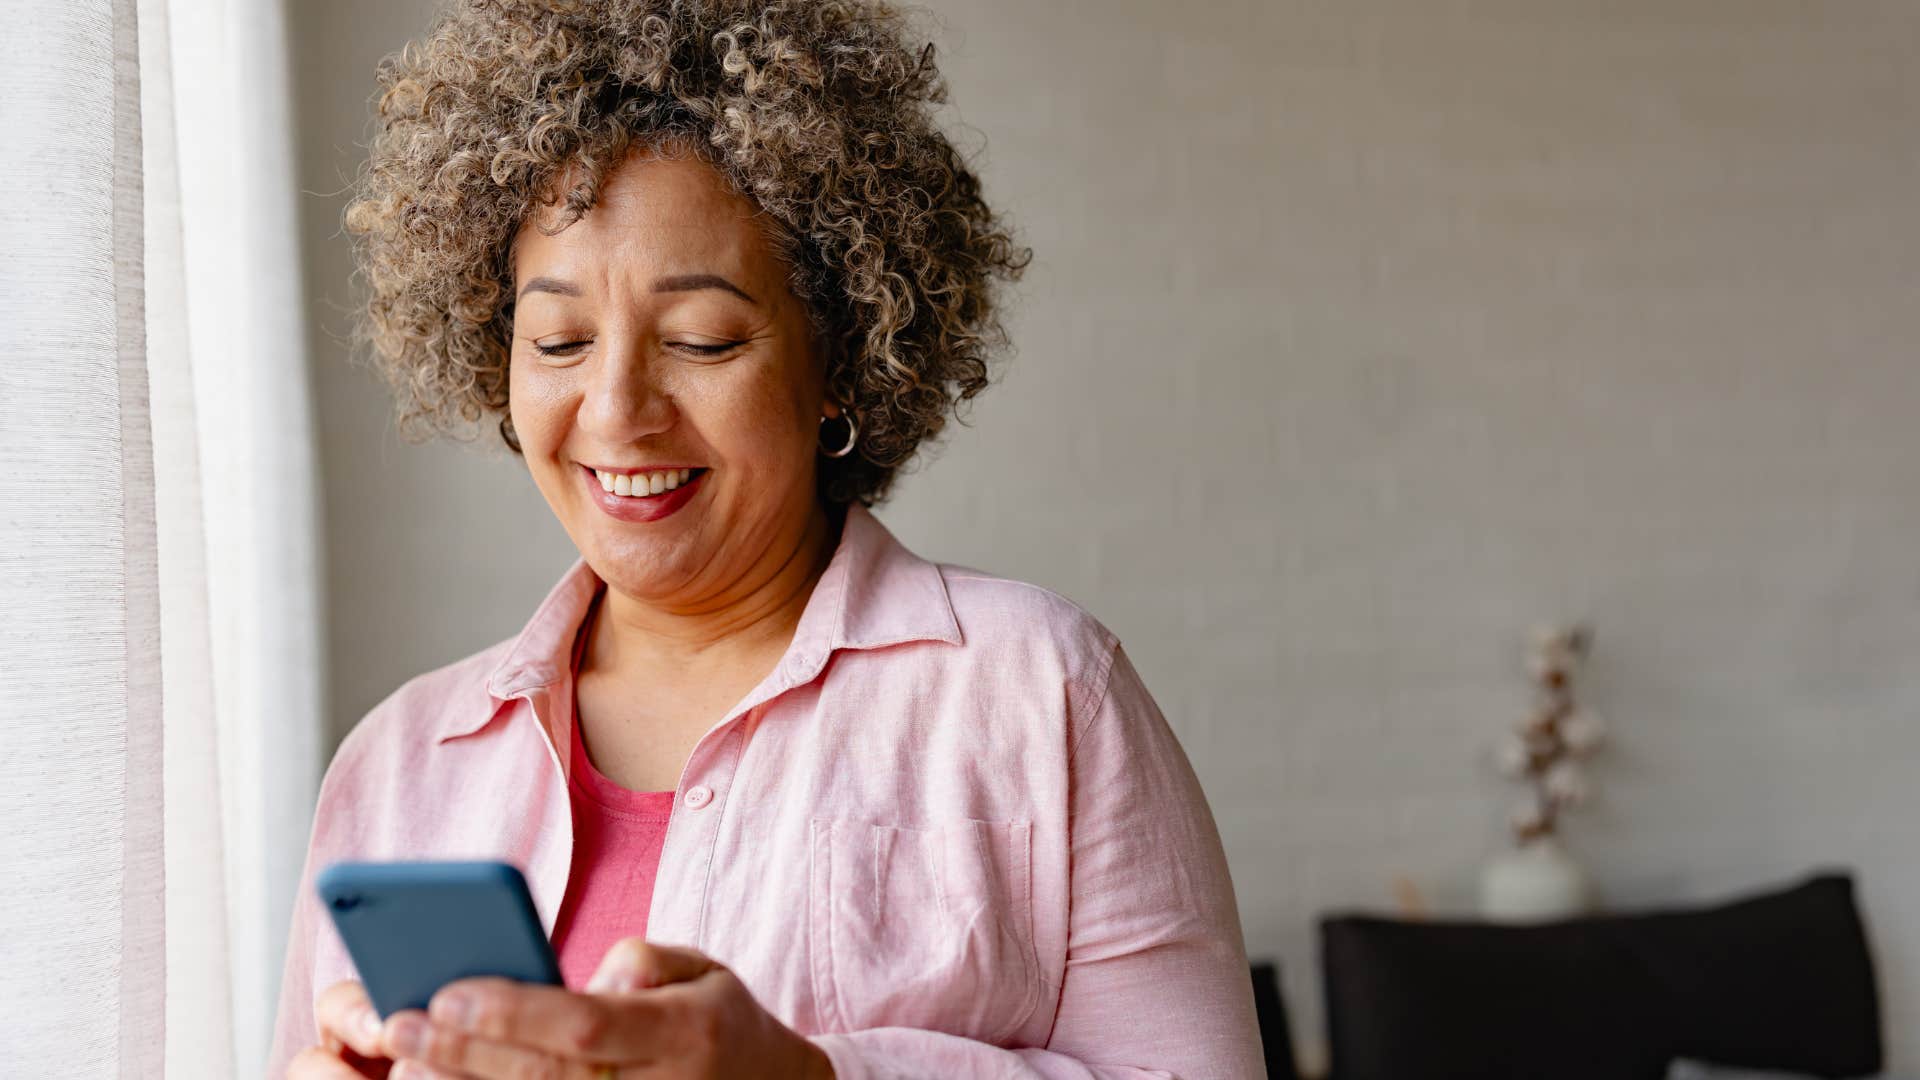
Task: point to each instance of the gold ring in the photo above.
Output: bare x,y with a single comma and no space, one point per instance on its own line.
606,1072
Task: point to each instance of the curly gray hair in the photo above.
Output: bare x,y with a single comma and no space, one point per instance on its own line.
819,111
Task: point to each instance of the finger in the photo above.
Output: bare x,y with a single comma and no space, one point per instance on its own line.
432,1052
586,1027
634,963
315,1063
344,1013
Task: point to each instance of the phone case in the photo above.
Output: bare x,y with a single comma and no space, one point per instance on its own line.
413,927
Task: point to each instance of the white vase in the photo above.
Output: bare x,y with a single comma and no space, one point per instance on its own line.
1534,882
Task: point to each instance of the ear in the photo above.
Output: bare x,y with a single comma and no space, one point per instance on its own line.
824,355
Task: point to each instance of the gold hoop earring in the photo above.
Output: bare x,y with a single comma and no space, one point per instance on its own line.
853,436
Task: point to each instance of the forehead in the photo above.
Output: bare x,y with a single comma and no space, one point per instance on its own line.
653,214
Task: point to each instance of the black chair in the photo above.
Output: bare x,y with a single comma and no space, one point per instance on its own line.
1271,1009
1783,981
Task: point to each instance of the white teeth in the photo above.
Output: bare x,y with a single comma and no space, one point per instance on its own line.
635,485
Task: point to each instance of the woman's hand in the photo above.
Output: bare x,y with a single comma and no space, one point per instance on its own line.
349,1035
649,1012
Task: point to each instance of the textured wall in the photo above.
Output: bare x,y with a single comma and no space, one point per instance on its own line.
1360,337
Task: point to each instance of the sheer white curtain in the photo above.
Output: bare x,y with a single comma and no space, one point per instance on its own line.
81,885
158,555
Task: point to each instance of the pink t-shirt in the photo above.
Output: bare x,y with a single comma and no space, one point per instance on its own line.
617,836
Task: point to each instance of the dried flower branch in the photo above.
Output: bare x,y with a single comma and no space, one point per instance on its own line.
1548,744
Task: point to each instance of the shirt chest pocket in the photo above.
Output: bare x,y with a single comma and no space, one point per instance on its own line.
928,927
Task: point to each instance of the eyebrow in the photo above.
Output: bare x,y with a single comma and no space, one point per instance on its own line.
677,283
549,285
691,282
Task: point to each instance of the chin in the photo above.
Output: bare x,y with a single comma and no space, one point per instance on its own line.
637,565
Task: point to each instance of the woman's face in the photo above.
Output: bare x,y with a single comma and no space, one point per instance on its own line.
657,335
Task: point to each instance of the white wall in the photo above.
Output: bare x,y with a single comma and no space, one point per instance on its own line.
1360,337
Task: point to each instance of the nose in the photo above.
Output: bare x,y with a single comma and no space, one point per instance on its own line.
624,401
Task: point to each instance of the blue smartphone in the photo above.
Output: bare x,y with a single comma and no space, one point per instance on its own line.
413,927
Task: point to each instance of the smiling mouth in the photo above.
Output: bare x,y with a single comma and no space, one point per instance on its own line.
646,484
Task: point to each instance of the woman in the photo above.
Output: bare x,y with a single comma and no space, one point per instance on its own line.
792,802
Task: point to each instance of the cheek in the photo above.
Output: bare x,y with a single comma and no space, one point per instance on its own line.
537,407
752,419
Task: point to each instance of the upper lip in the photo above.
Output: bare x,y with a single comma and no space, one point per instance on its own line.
630,470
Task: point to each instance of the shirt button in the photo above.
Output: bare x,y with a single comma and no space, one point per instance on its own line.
698,796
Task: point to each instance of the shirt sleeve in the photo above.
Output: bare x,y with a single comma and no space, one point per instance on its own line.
1156,981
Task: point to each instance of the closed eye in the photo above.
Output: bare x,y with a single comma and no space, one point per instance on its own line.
705,350
568,348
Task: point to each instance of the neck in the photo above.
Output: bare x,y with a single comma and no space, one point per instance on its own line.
755,614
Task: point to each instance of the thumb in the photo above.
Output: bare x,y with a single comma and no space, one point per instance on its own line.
634,964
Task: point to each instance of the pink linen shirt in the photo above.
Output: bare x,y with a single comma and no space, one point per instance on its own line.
949,835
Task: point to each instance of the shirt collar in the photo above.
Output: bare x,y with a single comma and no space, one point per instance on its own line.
874,593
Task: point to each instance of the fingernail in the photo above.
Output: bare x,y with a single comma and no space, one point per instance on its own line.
453,1009
409,1036
616,975
370,1025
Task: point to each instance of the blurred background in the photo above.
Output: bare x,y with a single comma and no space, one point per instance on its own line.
1361,338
